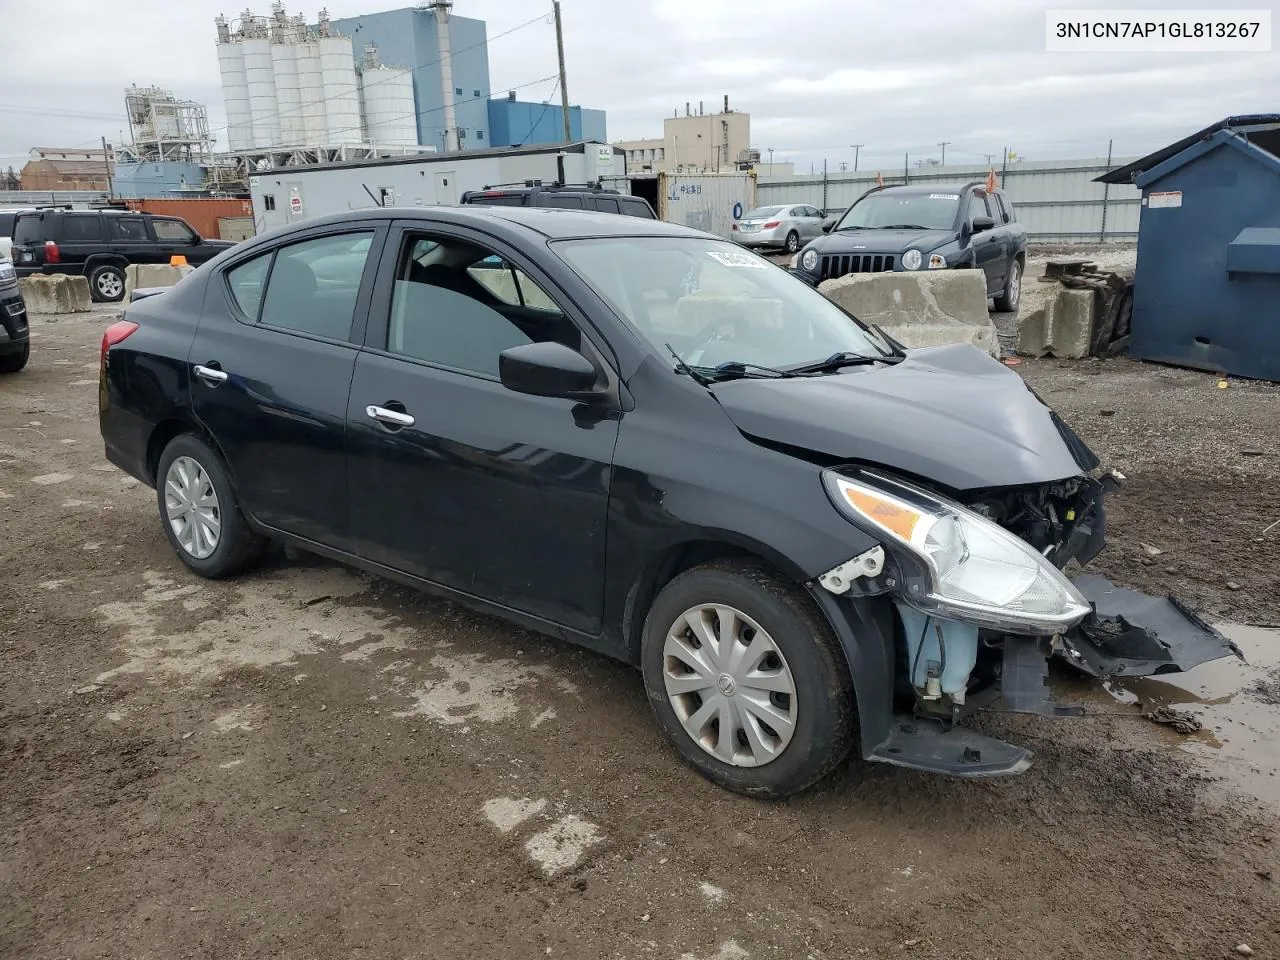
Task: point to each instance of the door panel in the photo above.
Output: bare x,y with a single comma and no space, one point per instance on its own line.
287,353
497,494
988,246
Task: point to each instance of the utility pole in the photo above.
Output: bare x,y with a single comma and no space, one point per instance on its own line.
111,188
857,148
1106,195
844,165
943,145
564,89
771,161
990,157
906,167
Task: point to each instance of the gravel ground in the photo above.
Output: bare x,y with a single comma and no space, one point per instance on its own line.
310,763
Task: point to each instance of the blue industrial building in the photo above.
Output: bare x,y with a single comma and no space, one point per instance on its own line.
169,178
518,123
1207,289
409,39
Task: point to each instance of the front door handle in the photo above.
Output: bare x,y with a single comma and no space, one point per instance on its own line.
211,375
392,418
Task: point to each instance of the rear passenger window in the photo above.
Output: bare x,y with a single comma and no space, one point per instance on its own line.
246,282
567,202
606,205
635,208
313,285
81,229
132,229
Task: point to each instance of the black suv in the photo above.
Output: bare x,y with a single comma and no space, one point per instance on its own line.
99,244
927,227
14,345
568,197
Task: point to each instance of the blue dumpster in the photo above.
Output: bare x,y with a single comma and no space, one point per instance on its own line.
1207,288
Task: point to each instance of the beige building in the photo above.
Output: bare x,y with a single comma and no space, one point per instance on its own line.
696,142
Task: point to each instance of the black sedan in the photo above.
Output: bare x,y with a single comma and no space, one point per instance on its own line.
648,441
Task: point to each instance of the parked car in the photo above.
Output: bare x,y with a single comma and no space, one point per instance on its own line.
15,344
928,227
784,227
99,244
562,196
7,217
802,536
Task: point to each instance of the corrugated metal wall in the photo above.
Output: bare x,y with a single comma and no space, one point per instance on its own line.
1058,202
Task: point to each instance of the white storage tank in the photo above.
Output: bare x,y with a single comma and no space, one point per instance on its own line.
235,96
341,96
259,68
288,96
389,107
315,131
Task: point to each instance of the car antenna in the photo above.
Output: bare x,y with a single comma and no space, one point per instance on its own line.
682,367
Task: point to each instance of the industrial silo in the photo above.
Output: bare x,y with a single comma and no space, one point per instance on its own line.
288,97
341,95
389,113
259,68
235,89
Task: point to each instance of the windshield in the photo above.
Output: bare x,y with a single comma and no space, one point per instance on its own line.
714,303
928,211
761,213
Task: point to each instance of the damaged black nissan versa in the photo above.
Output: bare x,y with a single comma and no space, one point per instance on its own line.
648,441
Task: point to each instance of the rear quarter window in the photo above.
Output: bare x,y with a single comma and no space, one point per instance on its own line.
636,208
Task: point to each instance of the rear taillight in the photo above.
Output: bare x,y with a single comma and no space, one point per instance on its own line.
118,331
772,224
51,252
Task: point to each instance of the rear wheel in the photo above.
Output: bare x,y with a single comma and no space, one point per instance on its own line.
13,362
1008,299
793,242
106,283
200,512
746,679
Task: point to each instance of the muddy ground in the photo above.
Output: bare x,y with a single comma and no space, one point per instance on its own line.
312,763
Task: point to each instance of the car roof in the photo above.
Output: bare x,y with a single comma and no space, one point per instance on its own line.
933,187
554,223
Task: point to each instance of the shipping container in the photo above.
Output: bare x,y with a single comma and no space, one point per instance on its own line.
202,213
292,194
704,201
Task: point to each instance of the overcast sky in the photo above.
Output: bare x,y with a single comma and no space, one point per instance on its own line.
815,75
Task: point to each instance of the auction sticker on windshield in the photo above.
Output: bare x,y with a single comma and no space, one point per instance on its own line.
944,196
731,259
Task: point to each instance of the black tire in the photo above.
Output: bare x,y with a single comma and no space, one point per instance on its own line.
1007,301
792,242
824,729
112,278
238,546
13,362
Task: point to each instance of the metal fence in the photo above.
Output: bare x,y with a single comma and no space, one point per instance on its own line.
1057,201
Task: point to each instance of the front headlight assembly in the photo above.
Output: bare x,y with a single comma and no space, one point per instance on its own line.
977,571
809,260
912,259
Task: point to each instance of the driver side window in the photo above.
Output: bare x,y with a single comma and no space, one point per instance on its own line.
459,305
978,207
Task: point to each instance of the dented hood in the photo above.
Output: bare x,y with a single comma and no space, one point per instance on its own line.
949,414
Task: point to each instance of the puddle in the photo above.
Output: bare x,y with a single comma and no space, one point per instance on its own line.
1238,705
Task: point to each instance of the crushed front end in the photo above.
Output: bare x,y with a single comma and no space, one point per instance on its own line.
982,606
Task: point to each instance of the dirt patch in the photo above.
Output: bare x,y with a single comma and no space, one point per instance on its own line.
306,762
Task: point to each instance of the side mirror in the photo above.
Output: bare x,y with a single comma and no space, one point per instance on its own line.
828,223
982,223
548,370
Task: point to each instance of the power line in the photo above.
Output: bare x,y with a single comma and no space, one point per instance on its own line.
545,105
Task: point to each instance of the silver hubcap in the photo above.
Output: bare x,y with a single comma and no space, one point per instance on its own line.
729,685
1015,283
192,508
109,284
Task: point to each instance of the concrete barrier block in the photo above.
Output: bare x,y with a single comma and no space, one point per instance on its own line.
920,309
55,293
152,275
1062,328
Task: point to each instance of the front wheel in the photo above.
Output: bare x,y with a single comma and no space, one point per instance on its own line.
200,512
793,242
1008,299
13,362
747,680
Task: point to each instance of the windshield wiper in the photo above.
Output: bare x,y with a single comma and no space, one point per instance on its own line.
844,358
740,368
682,367
852,226
903,226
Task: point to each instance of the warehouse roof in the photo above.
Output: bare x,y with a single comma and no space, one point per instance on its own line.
579,146
1245,123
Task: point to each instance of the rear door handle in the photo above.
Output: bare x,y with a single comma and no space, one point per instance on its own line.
211,375
392,418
